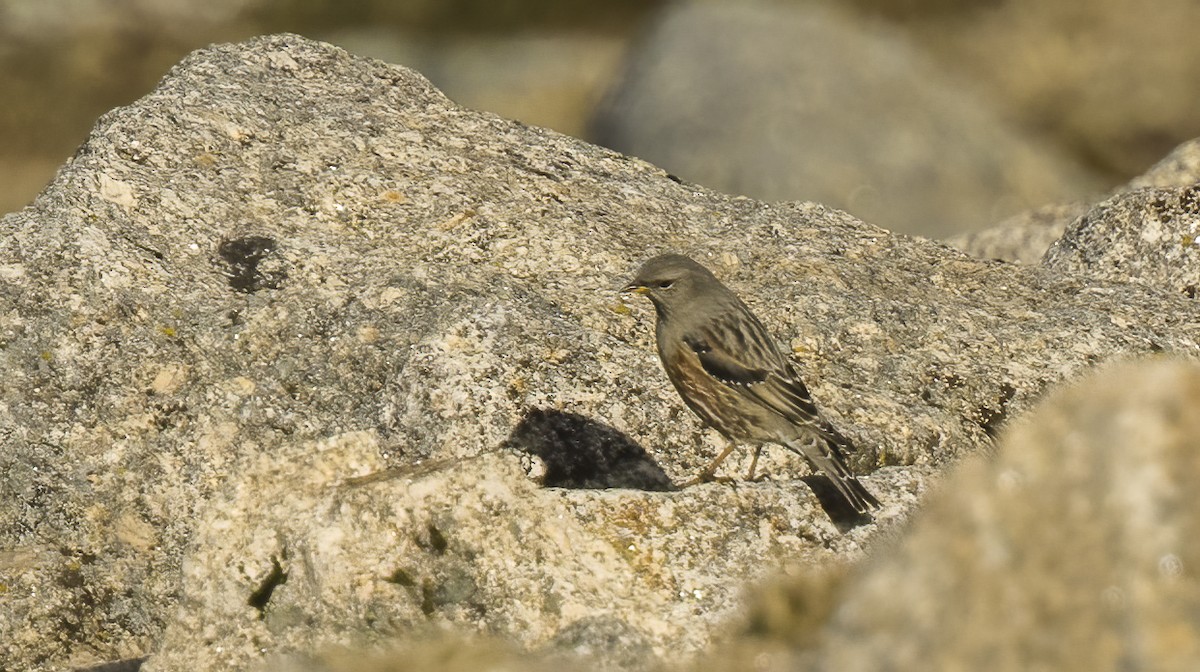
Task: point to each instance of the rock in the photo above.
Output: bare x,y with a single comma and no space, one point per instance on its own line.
447,547
1181,168
1022,239
1147,236
785,102
434,651
1025,238
1071,549
275,338
64,63
1111,82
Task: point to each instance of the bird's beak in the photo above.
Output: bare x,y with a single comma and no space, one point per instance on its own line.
634,289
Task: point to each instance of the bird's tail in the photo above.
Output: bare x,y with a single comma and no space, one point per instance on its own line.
824,453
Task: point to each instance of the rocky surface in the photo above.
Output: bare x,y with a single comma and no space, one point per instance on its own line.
784,101
1027,237
64,62
984,573
1072,549
294,345
1024,238
1180,168
1149,236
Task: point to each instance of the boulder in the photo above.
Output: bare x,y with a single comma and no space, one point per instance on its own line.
790,101
1071,549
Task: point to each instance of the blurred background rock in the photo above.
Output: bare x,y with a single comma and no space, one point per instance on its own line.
925,116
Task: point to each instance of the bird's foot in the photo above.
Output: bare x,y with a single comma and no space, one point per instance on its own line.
757,478
707,477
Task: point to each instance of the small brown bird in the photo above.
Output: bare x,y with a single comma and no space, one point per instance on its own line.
731,373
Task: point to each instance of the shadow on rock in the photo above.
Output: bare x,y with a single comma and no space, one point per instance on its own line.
584,454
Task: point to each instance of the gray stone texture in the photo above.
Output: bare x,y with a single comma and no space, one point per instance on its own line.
294,345
1073,548
781,101
1025,238
1147,236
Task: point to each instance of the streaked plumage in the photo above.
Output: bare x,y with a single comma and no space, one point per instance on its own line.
730,372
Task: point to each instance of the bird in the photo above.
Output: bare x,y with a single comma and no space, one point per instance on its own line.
730,373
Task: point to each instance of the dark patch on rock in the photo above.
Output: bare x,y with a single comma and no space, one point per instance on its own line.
244,257
582,453
262,595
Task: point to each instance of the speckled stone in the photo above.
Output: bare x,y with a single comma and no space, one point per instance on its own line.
1073,548
1149,236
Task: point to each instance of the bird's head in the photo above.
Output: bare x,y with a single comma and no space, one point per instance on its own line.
670,281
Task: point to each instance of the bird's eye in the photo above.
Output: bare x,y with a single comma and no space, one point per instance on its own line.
666,284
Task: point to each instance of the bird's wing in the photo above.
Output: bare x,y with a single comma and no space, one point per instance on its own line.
740,353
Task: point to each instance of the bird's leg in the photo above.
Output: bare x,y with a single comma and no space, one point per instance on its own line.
706,474
753,462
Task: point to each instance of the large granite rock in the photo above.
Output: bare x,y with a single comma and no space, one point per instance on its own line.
783,101
1066,550
64,63
1073,548
1148,236
295,348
